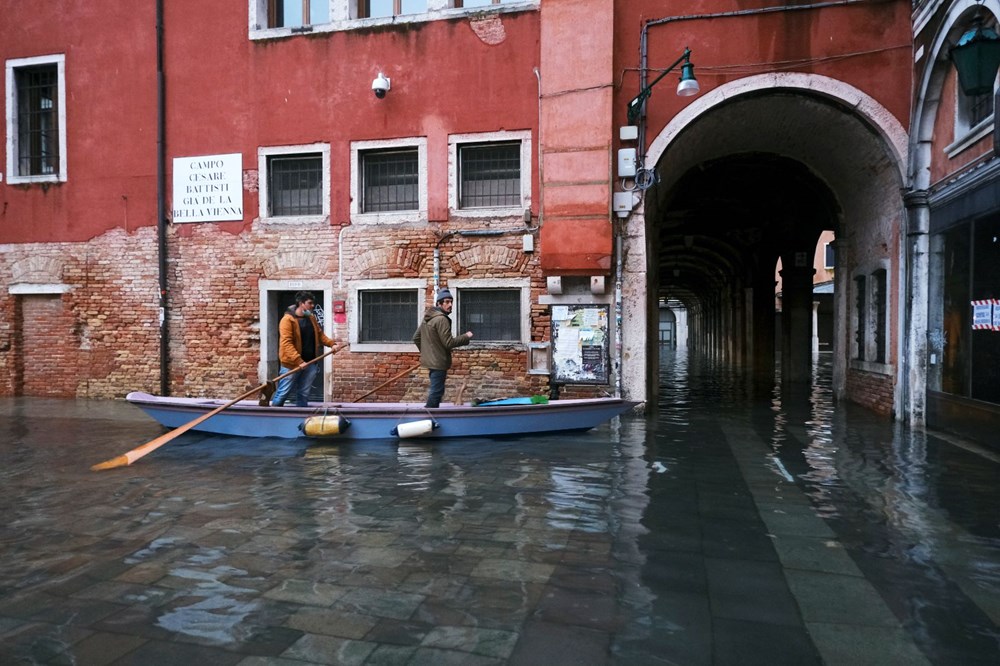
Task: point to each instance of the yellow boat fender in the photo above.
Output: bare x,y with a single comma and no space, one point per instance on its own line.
414,428
326,425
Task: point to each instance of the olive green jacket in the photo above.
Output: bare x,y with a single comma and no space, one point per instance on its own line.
434,340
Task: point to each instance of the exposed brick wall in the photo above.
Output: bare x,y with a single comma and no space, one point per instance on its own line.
51,358
874,391
108,321
103,335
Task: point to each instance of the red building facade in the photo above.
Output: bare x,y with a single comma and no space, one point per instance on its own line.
490,165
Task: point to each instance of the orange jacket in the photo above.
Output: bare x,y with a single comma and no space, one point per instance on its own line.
290,340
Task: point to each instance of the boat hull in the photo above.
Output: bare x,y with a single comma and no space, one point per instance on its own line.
383,420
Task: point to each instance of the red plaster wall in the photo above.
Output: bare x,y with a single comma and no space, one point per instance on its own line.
728,48
226,93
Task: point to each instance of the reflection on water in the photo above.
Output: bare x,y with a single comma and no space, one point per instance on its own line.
919,517
646,540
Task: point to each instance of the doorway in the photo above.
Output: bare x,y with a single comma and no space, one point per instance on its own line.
275,298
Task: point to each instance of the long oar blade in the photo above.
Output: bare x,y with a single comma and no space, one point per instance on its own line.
130,457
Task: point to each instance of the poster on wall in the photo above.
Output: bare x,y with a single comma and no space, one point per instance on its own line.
208,188
580,352
984,314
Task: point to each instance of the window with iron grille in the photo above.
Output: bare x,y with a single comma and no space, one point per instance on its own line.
493,315
37,120
861,310
294,13
979,108
490,175
382,8
295,185
389,180
387,315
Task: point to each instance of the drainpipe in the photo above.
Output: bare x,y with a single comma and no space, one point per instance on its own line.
161,204
619,239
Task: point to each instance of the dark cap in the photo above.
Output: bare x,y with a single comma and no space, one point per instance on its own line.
443,294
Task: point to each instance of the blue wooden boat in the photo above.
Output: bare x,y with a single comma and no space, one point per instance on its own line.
355,421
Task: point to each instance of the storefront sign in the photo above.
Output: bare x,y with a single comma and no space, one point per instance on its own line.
208,188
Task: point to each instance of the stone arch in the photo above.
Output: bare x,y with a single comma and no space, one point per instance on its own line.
876,115
386,262
881,162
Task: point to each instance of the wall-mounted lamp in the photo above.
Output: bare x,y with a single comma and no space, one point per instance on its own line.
687,86
976,58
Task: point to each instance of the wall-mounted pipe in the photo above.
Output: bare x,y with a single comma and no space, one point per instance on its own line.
470,232
161,204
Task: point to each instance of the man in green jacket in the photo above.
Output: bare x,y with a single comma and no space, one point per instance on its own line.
435,342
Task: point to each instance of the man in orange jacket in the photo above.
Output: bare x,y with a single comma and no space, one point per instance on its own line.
299,342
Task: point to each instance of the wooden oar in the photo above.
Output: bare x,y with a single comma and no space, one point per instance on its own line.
130,457
387,382
461,391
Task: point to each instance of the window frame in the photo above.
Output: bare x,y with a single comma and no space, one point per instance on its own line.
871,316
358,148
344,15
419,285
967,132
306,5
456,141
13,171
264,153
522,284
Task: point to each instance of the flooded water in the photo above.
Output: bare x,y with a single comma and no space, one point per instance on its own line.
724,529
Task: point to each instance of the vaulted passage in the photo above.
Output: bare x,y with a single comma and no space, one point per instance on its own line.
752,181
727,223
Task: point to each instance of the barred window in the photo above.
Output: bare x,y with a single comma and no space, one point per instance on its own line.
980,107
493,315
295,185
490,175
294,13
387,315
37,120
390,181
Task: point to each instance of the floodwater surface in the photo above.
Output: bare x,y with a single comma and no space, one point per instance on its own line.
725,528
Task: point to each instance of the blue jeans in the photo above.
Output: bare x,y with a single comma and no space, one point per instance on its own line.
300,383
436,391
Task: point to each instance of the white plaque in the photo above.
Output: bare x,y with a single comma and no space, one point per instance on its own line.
208,188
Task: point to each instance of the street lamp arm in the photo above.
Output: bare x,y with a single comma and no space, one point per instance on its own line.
635,106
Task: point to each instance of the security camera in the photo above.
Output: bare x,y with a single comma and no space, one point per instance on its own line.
380,86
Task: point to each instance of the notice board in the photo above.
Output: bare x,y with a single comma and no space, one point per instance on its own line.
580,352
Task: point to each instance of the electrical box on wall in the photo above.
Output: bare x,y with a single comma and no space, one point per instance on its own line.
623,202
626,163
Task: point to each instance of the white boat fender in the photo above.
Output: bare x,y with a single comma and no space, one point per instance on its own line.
414,428
326,425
